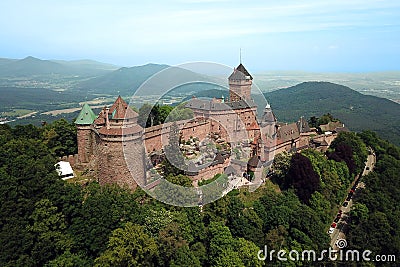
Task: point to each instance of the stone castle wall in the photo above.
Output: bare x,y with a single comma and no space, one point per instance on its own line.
210,171
156,137
106,155
84,139
112,162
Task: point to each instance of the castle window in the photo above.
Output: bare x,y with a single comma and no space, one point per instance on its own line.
105,144
117,121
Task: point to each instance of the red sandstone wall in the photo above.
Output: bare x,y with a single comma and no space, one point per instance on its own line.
84,143
210,172
239,89
111,164
156,137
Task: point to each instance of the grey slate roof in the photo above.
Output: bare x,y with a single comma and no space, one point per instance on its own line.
303,126
240,73
268,116
204,104
237,75
288,132
341,129
192,168
230,170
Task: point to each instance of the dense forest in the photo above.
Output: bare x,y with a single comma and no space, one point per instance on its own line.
45,221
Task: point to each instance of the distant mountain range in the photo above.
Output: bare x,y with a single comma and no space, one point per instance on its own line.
126,81
94,77
121,81
31,66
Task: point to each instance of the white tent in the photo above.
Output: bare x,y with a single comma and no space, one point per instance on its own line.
64,170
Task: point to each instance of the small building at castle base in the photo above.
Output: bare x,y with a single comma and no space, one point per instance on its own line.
114,148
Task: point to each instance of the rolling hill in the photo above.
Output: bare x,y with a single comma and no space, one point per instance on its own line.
31,66
357,111
126,81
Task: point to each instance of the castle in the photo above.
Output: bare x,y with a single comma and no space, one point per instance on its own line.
107,141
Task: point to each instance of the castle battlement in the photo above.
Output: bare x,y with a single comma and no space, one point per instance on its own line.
108,141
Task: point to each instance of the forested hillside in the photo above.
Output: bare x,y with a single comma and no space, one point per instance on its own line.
375,219
45,221
359,112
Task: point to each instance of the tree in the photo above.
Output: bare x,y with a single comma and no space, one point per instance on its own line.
170,239
179,179
183,256
359,213
199,250
60,137
174,163
247,224
163,113
48,227
343,152
325,119
151,115
228,257
68,259
321,205
302,177
156,219
358,150
313,122
180,112
105,208
276,237
281,165
129,246
220,243
247,251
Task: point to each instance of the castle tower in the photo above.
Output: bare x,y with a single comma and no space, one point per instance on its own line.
268,134
119,146
84,136
240,84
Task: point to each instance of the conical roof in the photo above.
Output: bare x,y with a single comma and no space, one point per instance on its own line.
268,116
121,110
240,73
86,116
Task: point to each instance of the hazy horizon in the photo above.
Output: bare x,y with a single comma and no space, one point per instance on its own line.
327,36
258,72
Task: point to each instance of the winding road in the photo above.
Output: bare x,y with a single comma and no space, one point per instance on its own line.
338,233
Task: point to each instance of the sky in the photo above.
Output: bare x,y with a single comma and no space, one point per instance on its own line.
315,35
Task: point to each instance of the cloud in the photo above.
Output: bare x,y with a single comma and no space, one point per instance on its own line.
171,28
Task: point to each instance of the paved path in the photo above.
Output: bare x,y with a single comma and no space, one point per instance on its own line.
338,233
